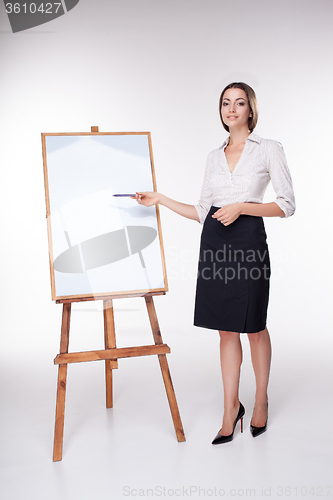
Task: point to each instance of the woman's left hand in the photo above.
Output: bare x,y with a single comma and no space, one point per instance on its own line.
228,214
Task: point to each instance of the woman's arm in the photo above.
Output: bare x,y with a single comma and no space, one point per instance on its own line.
228,214
148,199
262,209
281,178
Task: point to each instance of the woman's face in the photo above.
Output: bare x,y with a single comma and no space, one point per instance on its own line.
235,108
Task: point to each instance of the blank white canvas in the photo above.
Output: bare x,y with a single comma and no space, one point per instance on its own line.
84,172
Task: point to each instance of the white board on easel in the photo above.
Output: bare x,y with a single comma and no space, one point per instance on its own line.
100,244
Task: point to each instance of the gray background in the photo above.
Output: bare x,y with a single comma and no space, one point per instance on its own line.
160,66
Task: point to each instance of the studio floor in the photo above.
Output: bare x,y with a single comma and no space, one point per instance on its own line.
131,450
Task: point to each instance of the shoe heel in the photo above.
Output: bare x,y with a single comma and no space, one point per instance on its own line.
242,424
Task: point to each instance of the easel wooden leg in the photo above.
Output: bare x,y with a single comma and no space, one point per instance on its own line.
165,371
61,391
110,343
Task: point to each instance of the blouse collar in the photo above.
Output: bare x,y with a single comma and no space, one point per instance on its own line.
252,137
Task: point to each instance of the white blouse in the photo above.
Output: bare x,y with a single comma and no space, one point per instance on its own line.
262,160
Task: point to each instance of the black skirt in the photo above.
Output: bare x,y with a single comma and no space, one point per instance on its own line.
233,275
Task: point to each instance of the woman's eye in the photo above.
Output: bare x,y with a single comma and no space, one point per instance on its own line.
225,104
241,103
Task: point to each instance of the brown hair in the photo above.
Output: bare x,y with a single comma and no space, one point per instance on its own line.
252,99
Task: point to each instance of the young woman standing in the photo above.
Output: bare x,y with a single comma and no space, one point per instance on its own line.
234,269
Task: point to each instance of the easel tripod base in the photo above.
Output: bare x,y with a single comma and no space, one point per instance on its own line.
110,356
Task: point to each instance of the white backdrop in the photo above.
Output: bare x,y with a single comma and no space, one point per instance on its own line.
160,66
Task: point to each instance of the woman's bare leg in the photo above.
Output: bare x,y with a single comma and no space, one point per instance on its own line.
231,360
260,345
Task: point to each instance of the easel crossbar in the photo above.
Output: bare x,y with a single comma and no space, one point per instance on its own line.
122,352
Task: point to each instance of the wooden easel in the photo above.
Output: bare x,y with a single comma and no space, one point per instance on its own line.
110,354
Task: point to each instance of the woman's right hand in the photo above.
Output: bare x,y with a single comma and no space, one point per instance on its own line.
147,198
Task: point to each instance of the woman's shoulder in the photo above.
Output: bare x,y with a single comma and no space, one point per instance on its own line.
270,148
270,143
264,141
215,154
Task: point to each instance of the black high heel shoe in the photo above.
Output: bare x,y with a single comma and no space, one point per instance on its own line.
256,431
225,439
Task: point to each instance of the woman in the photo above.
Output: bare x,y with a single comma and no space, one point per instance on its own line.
234,269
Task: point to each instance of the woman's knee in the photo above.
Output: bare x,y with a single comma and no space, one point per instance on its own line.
257,336
226,335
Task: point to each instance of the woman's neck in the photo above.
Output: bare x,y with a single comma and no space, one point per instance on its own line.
238,136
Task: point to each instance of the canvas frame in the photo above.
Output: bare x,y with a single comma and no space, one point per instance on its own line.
95,294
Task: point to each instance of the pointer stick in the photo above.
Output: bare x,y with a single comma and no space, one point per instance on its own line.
123,195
